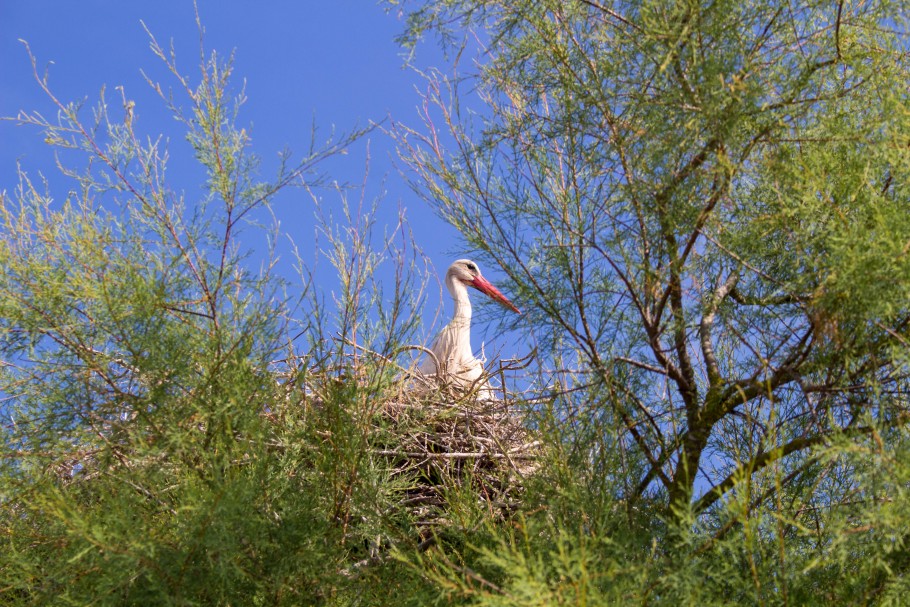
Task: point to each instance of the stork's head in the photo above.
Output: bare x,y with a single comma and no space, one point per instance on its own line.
467,273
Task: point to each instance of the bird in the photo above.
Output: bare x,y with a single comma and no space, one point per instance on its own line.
452,360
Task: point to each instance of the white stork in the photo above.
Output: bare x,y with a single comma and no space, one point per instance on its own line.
452,347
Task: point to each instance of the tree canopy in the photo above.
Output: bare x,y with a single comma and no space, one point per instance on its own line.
700,206
703,206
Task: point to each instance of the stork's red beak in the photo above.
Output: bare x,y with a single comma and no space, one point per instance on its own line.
481,284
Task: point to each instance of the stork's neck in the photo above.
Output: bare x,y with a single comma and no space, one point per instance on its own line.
459,293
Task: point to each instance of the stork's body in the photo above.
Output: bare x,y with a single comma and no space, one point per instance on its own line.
452,347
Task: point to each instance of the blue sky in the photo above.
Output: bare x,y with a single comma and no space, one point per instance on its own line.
334,63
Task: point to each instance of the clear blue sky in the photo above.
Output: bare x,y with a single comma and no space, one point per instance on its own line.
335,62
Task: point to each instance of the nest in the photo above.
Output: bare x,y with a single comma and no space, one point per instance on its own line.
434,440
445,441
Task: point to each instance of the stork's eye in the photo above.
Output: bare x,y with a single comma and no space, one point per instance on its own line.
471,267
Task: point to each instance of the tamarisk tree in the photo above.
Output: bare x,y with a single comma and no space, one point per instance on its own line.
704,208
179,423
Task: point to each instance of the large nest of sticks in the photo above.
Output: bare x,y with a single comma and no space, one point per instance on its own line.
445,440
435,440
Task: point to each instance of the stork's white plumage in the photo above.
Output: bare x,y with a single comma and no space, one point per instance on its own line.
452,347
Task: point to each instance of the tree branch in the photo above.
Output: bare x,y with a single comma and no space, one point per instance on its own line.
707,322
763,460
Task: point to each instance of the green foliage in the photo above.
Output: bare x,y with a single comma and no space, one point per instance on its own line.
166,443
572,550
702,206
